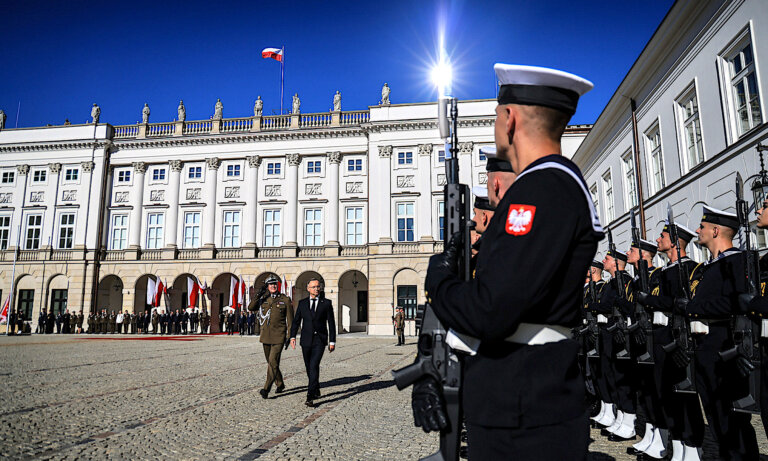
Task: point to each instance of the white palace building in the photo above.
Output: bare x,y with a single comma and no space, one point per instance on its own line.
355,198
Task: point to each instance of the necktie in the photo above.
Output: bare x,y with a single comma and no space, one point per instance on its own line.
314,304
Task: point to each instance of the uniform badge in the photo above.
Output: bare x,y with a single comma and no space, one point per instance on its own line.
520,219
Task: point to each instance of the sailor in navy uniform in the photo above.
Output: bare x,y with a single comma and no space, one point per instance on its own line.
595,276
523,390
714,302
499,175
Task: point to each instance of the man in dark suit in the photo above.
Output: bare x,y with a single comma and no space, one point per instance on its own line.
318,328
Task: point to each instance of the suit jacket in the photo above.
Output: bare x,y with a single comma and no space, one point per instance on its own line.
321,324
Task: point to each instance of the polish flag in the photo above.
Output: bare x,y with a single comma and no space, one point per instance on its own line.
160,291
234,289
241,293
274,53
151,291
4,312
193,289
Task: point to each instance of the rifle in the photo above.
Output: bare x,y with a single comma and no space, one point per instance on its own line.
641,315
620,321
435,358
680,331
743,327
591,326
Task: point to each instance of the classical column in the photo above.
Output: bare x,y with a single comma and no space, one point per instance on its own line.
424,208
292,197
466,174
137,201
49,226
380,203
209,212
332,235
172,220
251,195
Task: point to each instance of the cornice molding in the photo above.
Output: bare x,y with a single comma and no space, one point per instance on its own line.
35,147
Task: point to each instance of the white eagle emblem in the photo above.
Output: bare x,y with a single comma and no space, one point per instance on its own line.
520,219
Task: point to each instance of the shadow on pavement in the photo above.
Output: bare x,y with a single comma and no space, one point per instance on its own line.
374,386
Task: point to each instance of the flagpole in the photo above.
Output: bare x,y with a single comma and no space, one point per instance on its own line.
282,77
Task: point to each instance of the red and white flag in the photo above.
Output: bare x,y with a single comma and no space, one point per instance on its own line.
160,290
241,293
151,291
4,312
274,53
234,289
193,290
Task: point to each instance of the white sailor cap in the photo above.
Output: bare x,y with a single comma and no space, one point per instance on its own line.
493,163
682,231
481,198
720,217
540,86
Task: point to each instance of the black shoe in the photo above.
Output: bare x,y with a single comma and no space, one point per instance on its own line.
309,403
280,389
263,393
604,432
316,395
634,451
616,438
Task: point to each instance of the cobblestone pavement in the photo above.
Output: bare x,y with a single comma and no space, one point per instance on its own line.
119,397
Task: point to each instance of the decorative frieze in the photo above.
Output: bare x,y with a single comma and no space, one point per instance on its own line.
385,151
232,192
312,189
68,196
405,181
272,190
121,197
37,197
6,197
354,187
482,178
193,194
157,195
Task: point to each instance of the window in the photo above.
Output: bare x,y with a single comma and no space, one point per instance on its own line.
8,177
745,97
119,232
653,147
355,164
233,171
232,229
272,228
593,193
71,174
482,156
5,231
354,226
405,158
441,219
441,156
158,174
34,228
313,166
273,168
39,176
195,172
192,229
66,230
688,107
628,167
25,302
124,176
58,301
155,230
405,222
362,306
313,227
406,298
608,196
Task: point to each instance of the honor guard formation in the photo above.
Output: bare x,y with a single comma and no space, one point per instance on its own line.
544,340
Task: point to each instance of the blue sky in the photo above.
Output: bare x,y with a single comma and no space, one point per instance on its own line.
60,57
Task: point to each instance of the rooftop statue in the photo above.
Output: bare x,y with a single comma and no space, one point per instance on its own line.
182,111
145,113
258,107
337,101
296,104
95,113
218,110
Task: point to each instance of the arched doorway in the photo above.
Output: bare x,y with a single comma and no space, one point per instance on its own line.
406,285
58,294
178,293
220,293
353,302
300,287
140,298
110,294
24,298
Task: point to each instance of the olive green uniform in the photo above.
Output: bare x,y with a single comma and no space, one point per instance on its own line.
273,333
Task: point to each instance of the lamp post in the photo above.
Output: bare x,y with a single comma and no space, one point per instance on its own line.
759,186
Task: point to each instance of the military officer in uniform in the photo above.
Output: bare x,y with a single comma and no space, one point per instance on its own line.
80,319
399,321
275,316
714,302
41,322
205,319
523,391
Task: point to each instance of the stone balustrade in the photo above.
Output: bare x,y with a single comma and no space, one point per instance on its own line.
198,127
189,253
275,122
311,252
236,125
269,253
229,253
155,130
357,117
361,250
315,120
115,255
62,255
405,248
151,255
126,131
